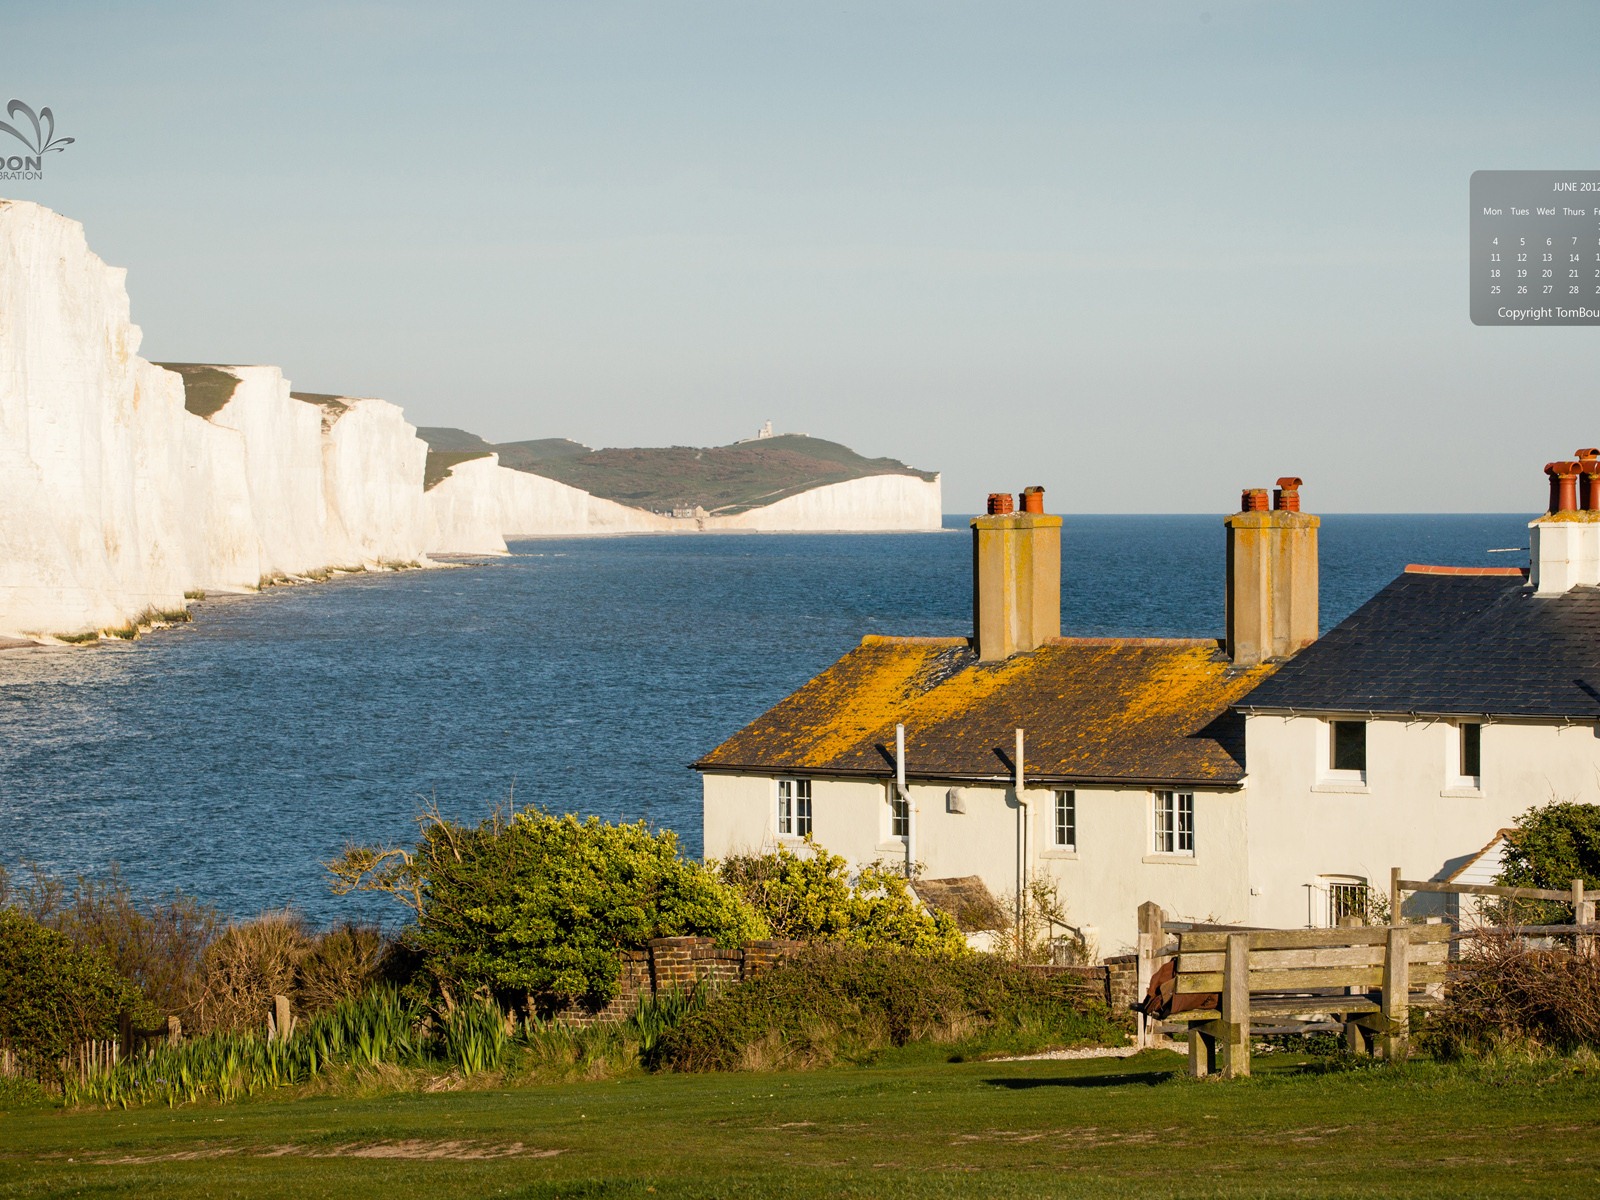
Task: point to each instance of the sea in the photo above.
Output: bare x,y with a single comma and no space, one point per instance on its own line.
231,757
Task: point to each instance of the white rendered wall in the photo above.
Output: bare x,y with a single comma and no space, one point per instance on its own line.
1112,871
1411,812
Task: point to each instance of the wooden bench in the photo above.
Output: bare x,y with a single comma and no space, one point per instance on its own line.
1364,977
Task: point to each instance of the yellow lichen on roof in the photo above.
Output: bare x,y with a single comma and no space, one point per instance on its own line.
1091,708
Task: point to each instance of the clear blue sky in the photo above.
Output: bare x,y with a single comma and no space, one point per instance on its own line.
1142,253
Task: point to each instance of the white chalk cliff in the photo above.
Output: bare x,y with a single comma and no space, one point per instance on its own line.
120,493
480,504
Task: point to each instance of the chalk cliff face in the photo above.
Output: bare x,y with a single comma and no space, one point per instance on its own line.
480,503
116,500
125,486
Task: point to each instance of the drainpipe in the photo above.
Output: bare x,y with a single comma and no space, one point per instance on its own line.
1022,841
902,791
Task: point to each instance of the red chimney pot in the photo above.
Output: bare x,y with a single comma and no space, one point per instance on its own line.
1563,486
1286,497
1253,500
999,503
1033,500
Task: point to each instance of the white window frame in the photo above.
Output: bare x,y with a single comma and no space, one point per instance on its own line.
899,814
1064,820
794,808
1343,895
1326,773
1172,823
1456,779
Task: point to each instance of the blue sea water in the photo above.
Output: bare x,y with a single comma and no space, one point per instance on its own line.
231,756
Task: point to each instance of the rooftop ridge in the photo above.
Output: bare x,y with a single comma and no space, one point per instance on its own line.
894,639
1213,643
1426,569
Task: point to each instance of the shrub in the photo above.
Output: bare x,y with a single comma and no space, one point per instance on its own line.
536,905
839,1000
1502,991
55,994
810,898
248,964
1553,845
156,945
339,964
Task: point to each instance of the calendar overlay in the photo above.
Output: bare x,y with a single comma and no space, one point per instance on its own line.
1536,247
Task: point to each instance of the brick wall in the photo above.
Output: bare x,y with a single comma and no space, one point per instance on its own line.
679,962
682,962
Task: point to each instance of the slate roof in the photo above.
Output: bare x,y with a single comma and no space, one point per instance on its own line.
1127,710
1451,644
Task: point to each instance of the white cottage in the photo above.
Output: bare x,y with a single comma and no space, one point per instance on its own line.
1267,777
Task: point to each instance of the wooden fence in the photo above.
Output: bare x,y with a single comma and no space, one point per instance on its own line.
1361,979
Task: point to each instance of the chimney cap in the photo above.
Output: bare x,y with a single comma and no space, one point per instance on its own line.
1290,483
1587,454
1561,468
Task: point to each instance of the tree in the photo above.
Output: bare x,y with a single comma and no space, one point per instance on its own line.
534,905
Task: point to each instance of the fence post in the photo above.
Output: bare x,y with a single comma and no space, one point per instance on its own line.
1150,937
174,1031
1397,993
1395,899
282,1016
1236,1006
1582,914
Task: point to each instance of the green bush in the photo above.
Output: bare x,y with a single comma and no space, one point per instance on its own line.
157,945
833,1001
810,898
536,905
1553,845
55,994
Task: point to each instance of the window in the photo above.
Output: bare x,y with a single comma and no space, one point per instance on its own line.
1348,898
899,813
794,808
1066,826
1471,750
1348,745
1174,824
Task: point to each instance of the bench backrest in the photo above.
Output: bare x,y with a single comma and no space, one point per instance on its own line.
1287,960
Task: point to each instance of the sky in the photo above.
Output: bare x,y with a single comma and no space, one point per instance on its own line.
1143,254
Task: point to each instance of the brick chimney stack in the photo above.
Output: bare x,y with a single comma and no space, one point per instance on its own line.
1016,576
1565,542
1272,575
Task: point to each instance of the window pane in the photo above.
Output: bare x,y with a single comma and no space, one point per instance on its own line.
1349,745
1471,749
1164,823
1186,822
785,806
1066,819
899,816
802,808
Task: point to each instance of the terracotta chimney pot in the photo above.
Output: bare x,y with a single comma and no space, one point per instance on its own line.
1563,486
1000,503
1253,500
1286,497
1033,500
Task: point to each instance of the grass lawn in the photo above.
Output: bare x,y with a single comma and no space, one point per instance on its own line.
1101,1128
